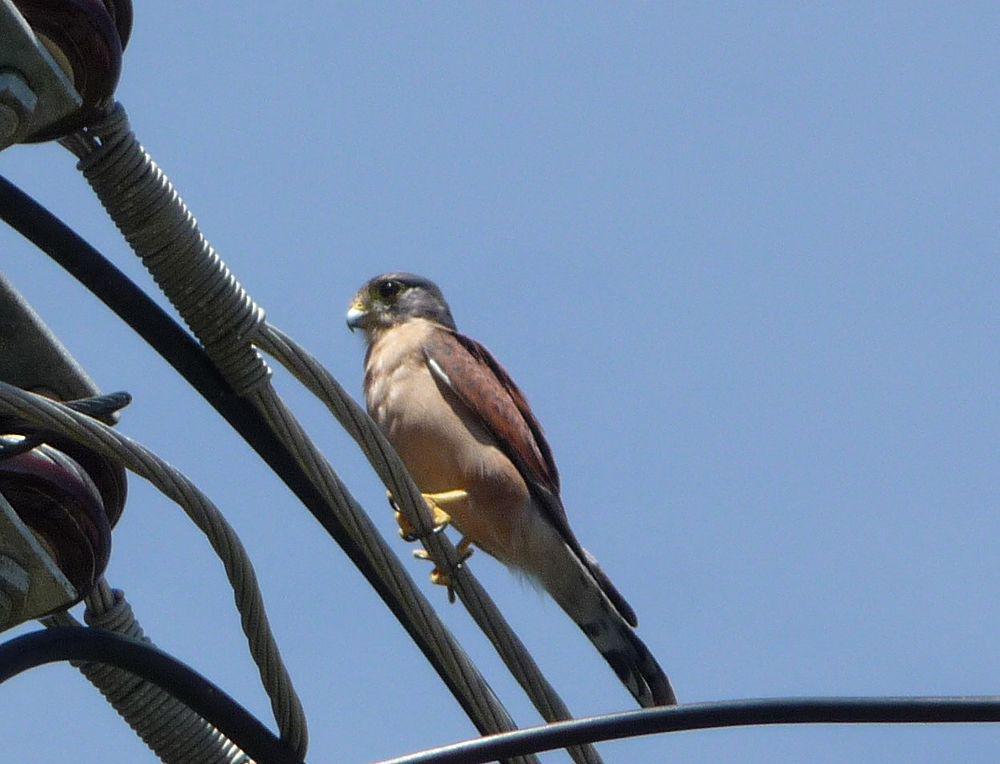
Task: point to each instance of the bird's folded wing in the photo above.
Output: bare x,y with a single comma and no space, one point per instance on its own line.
471,372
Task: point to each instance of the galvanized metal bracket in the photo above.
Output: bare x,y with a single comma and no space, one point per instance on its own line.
34,90
31,583
31,357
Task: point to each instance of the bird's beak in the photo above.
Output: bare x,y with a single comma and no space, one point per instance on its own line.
356,315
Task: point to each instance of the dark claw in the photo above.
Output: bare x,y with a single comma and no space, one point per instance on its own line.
409,537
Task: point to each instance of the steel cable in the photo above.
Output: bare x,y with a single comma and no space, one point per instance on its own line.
176,733
56,417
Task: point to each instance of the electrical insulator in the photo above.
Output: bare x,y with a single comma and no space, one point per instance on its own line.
86,38
57,547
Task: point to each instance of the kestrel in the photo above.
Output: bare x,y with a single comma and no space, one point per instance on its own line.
478,455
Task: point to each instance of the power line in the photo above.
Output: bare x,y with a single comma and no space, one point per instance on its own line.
730,713
145,661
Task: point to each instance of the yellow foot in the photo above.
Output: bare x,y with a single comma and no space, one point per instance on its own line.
442,578
436,503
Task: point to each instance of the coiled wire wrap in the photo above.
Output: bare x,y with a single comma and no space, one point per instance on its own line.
163,233
159,227
390,468
174,732
55,417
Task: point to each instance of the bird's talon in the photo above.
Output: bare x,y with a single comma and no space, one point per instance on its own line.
464,550
406,530
440,577
435,503
409,532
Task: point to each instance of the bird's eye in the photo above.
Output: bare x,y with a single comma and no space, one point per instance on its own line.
389,289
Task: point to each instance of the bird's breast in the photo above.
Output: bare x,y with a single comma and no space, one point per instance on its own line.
441,449
443,444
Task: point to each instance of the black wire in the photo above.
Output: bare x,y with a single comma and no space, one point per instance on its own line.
731,713
182,351
145,661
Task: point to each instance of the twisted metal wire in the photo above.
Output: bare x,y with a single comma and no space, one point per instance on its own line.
172,730
56,417
390,468
161,230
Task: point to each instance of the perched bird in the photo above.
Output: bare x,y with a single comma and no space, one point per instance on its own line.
478,455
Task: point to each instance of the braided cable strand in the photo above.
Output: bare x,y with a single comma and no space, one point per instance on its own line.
394,475
174,732
161,230
98,436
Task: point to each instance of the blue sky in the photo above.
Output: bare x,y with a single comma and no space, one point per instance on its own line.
744,263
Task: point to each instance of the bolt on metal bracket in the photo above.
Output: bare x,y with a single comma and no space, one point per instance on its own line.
31,583
34,90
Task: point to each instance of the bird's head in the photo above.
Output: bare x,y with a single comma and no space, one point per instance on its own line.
395,298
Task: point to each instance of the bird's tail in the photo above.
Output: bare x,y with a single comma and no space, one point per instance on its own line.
584,598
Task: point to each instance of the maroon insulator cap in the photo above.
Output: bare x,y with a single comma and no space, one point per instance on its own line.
90,35
55,497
